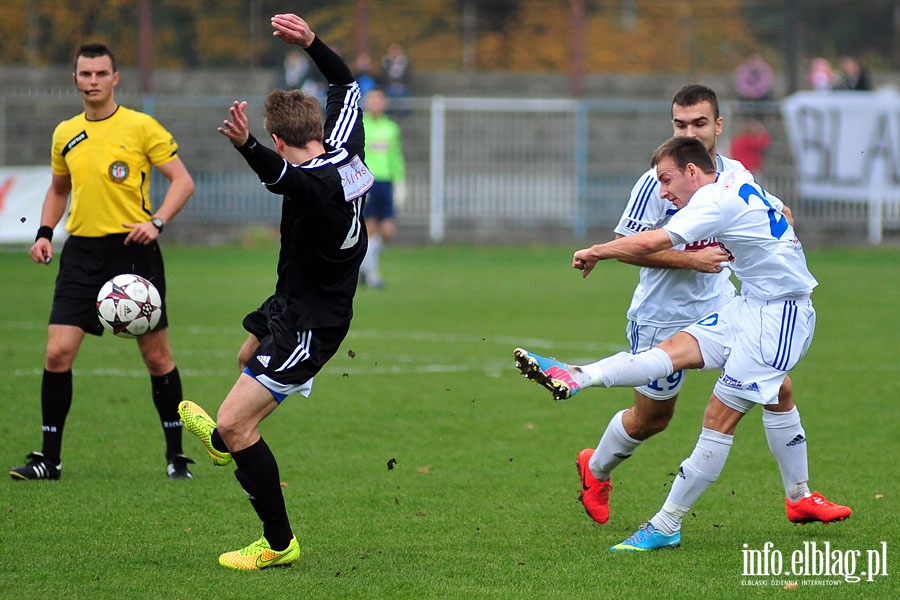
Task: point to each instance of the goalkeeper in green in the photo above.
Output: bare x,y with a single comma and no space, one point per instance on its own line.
384,157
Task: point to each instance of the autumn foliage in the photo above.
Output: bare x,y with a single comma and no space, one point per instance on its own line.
635,36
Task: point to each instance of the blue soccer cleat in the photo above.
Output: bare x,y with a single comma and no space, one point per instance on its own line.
646,538
548,372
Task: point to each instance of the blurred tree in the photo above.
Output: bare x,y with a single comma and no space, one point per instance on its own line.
517,35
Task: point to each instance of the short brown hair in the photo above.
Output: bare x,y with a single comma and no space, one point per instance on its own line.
693,94
294,116
684,150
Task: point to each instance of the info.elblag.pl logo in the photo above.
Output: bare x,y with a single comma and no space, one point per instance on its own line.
818,560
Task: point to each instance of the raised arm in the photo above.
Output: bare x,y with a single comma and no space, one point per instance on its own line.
294,30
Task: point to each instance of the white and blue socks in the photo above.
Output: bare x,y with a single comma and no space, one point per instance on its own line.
626,370
370,265
614,447
787,442
697,473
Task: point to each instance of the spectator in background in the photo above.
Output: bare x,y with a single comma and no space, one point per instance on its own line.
820,76
750,144
753,79
852,76
384,157
395,71
362,71
297,74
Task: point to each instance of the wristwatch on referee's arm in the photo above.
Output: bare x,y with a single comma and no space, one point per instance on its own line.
158,223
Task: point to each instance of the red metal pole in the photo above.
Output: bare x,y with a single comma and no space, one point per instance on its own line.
362,27
145,45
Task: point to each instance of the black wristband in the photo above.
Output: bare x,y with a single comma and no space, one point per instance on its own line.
44,231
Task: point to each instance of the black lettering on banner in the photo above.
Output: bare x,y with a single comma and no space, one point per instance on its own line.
881,149
810,123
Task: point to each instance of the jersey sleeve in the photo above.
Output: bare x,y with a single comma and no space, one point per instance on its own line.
268,165
645,209
160,146
343,117
700,219
57,159
343,120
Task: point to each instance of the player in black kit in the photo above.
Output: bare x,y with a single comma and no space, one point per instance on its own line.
320,172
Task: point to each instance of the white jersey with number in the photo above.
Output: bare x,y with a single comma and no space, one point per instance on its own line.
765,254
671,297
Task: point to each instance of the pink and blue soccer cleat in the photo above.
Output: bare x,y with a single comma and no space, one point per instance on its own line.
549,372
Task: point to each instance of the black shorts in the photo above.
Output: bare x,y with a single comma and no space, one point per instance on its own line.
86,263
286,359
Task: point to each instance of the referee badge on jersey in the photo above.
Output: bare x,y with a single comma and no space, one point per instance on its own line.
118,171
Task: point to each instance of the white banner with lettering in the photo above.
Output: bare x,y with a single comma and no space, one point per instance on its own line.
846,145
22,191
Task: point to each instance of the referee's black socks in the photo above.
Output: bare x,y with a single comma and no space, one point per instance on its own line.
56,400
166,397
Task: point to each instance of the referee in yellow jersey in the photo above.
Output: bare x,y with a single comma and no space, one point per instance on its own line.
103,158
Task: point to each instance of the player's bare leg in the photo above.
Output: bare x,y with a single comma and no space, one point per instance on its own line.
243,409
165,382
627,430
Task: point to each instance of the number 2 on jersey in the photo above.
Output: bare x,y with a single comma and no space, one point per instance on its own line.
777,226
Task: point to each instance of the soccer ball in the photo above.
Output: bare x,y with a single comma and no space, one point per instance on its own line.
129,305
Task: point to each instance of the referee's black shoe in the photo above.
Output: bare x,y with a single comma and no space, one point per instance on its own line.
178,467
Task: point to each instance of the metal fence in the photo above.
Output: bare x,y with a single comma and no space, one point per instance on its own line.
478,168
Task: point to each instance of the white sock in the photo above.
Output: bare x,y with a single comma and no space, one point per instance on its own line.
614,447
369,265
697,473
787,442
629,370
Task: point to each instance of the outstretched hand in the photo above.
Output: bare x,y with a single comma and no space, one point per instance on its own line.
292,30
236,130
585,261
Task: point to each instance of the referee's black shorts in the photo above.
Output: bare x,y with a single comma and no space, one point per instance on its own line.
286,359
86,263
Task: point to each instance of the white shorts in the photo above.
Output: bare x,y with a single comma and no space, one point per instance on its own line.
755,343
645,337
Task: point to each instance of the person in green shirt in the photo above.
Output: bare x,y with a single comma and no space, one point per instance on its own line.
384,157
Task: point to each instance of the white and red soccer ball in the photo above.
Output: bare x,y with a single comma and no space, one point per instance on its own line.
129,306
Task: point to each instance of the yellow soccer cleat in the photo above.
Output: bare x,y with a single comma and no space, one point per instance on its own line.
201,424
259,555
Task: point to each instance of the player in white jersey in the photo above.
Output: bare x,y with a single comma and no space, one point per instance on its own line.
676,288
754,340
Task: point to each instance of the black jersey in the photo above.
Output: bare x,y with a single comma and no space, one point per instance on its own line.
323,232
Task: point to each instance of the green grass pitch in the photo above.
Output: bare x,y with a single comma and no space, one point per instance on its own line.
481,501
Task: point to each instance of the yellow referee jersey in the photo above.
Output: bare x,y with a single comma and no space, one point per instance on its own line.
109,162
